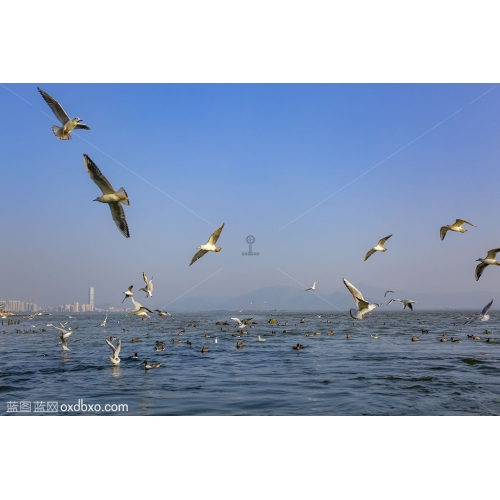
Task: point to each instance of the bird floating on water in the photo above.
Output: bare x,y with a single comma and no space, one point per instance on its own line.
148,366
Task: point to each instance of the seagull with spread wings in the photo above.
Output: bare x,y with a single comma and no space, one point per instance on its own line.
149,285
378,247
404,302
116,351
313,288
456,226
487,261
109,195
68,124
209,245
128,293
364,307
483,315
140,310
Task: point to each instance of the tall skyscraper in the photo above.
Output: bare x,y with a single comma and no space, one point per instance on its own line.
91,298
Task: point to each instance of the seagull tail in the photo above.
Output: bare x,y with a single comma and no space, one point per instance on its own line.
355,314
125,201
58,133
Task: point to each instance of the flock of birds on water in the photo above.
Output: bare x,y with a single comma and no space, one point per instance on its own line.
115,200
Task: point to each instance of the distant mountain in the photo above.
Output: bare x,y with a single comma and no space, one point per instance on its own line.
297,299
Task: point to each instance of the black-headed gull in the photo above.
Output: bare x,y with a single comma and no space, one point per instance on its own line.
149,285
487,261
128,293
378,247
68,124
209,246
483,315
140,310
109,195
363,306
404,302
162,313
456,226
116,351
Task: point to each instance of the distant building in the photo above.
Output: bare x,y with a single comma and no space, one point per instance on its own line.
76,307
91,298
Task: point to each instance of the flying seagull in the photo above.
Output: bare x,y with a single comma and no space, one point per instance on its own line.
404,302
209,245
162,313
149,285
68,124
313,288
388,291
363,306
378,247
456,226
116,351
487,261
140,310
483,315
109,195
128,293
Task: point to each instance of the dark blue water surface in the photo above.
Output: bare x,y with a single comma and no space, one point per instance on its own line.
332,375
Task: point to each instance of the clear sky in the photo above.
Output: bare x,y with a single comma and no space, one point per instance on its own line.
318,173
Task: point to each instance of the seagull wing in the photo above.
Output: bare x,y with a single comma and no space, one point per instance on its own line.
97,176
144,277
136,304
113,348
82,126
459,222
117,349
198,255
394,300
492,253
369,253
383,240
55,107
215,235
479,270
388,291
356,294
238,320
443,231
118,215
486,308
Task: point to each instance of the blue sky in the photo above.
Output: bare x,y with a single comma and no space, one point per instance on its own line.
395,159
